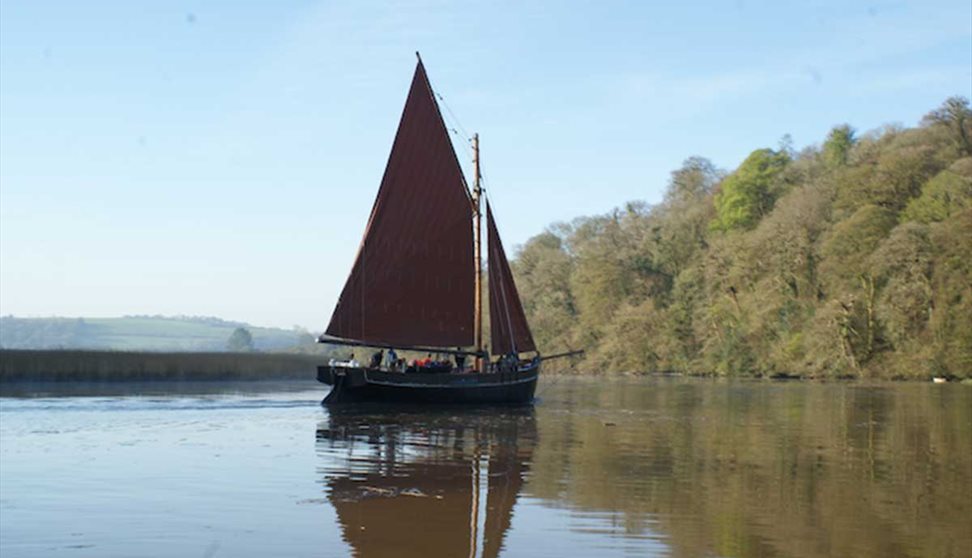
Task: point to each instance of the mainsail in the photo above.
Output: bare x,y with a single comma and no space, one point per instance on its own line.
413,280
508,328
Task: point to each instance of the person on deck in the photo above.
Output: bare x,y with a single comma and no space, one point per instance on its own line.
376,359
392,358
427,361
352,362
508,362
460,360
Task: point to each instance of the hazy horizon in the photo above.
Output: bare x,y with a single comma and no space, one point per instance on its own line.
318,329
221,159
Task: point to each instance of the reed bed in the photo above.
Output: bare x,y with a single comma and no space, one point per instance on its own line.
75,365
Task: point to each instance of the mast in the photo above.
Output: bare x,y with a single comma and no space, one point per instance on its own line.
478,250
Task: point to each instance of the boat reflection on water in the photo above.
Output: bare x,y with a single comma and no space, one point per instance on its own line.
421,483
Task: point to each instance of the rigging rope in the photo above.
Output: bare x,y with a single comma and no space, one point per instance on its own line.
452,114
455,121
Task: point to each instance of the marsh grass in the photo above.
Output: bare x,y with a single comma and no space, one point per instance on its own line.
75,365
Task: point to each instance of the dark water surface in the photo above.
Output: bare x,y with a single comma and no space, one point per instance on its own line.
647,467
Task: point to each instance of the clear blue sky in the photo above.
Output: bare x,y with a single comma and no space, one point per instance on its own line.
220,158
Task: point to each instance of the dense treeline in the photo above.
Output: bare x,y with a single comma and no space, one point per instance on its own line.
851,258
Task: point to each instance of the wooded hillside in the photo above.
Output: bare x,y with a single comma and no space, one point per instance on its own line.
851,258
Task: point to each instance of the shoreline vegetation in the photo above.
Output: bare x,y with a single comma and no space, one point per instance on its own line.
848,259
25,365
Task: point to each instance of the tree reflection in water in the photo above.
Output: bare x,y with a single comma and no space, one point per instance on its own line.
755,468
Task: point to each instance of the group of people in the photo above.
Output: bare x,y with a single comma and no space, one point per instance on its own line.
506,363
427,364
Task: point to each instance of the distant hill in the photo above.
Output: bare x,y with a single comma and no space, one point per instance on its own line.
142,333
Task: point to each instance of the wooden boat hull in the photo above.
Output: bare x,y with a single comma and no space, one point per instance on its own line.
362,385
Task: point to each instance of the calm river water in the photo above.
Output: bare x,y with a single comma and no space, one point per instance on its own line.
646,467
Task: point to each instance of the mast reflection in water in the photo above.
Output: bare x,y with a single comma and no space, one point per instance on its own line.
416,483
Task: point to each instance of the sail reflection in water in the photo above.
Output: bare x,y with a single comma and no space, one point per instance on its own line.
421,484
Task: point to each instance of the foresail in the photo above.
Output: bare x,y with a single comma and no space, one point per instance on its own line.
412,280
508,327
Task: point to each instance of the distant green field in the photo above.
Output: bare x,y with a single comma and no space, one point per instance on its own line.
139,333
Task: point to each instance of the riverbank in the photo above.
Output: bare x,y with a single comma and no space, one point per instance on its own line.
578,372
18,365
21,365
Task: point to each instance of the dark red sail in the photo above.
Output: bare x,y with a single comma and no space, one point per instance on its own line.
413,280
508,328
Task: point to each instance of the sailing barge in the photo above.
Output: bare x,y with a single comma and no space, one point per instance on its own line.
416,283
